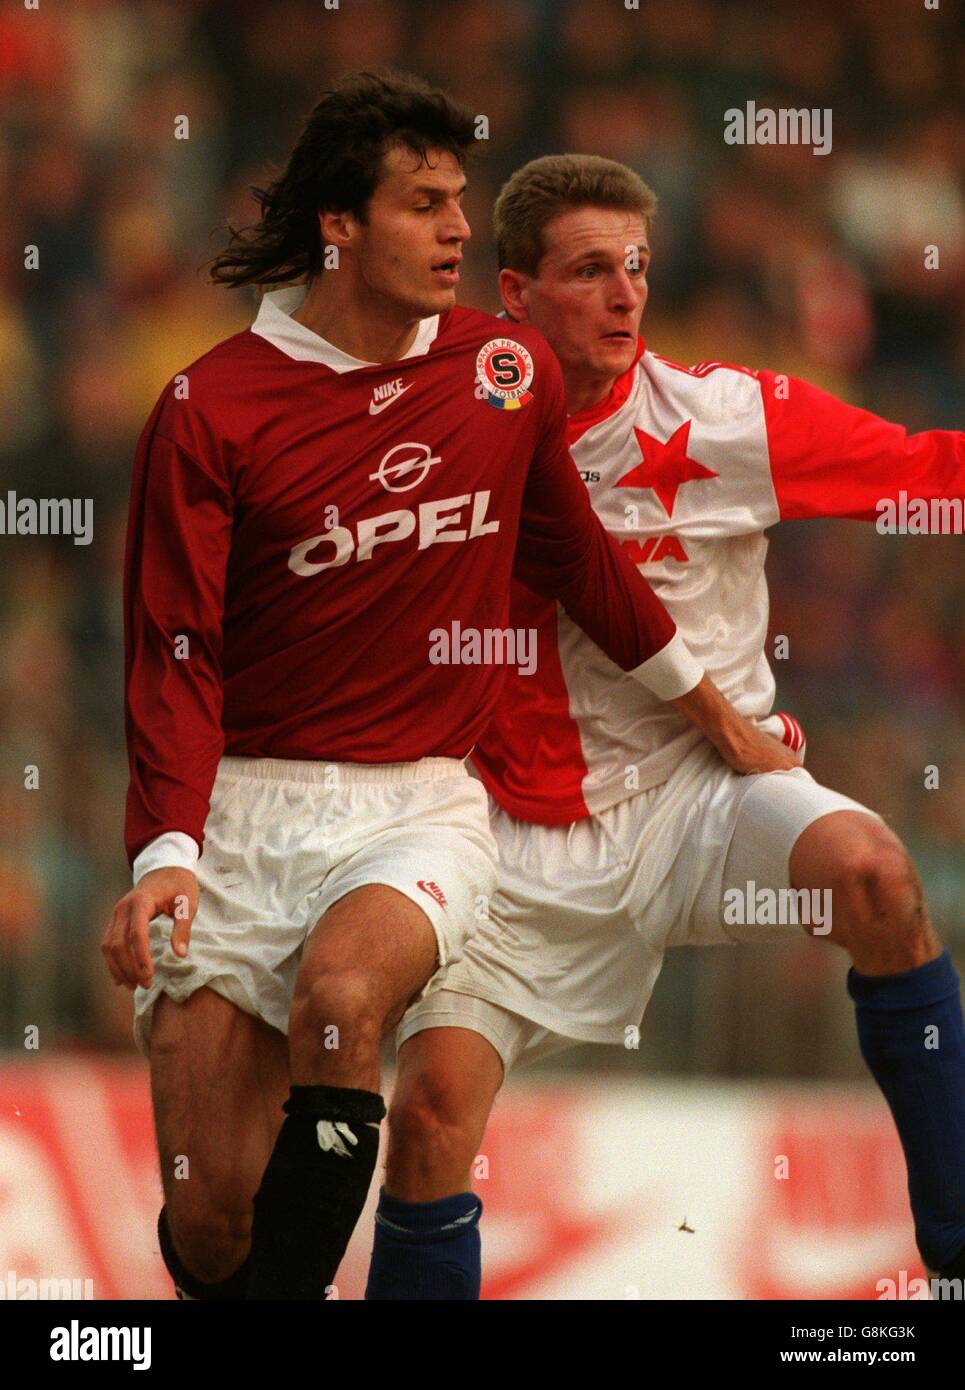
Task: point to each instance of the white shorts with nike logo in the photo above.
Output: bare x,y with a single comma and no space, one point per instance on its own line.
285,840
583,913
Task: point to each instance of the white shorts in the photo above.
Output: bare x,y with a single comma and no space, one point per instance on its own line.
285,840
583,914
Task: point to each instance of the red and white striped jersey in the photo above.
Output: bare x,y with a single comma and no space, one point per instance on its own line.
687,467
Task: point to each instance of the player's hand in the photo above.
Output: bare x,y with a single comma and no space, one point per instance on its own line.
738,740
126,945
757,751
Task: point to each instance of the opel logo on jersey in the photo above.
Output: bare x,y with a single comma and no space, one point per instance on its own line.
404,467
442,521
504,371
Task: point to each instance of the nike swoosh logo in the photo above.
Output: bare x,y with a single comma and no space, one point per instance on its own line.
376,406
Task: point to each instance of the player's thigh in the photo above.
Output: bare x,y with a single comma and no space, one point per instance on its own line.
219,1078
446,1082
369,955
775,814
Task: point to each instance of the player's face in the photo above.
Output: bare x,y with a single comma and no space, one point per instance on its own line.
410,245
591,289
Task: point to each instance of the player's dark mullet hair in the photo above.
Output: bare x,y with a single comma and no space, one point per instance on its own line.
335,167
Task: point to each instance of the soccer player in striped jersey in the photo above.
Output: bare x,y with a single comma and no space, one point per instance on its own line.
620,836
312,500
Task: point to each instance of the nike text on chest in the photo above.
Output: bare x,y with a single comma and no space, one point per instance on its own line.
385,394
434,522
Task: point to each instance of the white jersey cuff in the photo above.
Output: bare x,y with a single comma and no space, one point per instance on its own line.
671,672
172,850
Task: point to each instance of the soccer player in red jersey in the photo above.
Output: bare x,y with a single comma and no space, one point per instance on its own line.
314,501
620,835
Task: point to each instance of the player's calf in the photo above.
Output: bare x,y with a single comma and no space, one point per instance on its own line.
218,1079
221,1263
210,1230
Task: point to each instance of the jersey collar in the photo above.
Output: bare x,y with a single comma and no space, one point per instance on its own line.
275,324
580,421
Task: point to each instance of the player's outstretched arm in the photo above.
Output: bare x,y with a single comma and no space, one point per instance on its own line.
831,459
126,948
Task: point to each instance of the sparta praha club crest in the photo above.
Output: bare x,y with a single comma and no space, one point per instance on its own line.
504,371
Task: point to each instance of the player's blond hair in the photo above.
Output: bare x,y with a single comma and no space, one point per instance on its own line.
544,188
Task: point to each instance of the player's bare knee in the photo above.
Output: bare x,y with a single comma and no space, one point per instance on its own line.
336,1011
429,1121
876,891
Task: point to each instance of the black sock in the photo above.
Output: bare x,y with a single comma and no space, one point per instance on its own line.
313,1191
186,1285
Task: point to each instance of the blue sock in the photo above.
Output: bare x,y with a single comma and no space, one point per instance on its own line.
426,1250
912,1037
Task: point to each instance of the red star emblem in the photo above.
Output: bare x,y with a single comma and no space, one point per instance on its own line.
665,466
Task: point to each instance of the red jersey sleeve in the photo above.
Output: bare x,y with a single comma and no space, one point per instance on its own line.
178,538
832,459
564,552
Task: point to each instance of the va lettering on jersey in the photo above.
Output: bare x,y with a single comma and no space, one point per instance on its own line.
651,550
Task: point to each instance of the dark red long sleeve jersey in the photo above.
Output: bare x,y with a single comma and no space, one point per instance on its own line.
301,522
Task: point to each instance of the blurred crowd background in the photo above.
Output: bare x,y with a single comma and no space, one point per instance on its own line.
766,256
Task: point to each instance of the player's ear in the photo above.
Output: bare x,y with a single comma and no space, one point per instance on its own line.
337,228
512,291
